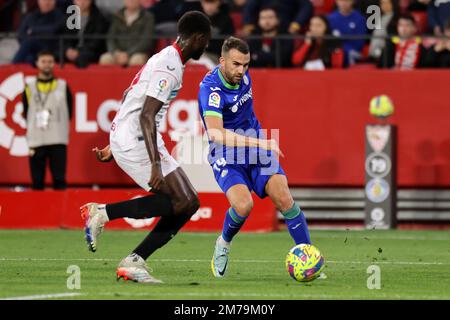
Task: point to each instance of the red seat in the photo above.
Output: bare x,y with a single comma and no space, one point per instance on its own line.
421,21
323,6
365,51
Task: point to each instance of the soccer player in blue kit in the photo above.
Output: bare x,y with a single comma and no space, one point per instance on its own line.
242,159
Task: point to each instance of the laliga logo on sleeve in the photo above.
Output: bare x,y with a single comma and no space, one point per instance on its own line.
10,88
162,84
214,100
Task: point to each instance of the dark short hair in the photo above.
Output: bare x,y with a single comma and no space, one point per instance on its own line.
235,43
407,16
194,22
271,6
45,53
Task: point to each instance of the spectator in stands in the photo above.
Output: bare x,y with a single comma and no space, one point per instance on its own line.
83,50
264,51
167,13
439,55
390,11
346,21
46,21
47,103
129,38
221,25
438,14
293,14
405,51
317,53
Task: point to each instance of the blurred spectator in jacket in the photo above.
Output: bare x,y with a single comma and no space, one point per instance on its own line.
346,21
293,14
438,14
439,54
390,11
167,13
36,30
221,25
83,50
317,53
129,38
405,51
264,51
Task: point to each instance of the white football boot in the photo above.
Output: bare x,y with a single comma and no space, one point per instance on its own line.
134,268
219,259
94,221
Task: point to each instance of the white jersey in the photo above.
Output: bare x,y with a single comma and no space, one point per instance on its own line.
160,78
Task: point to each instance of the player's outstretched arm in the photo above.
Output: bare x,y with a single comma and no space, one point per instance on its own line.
103,155
217,133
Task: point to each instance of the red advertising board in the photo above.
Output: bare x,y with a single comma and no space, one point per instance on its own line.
321,118
61,209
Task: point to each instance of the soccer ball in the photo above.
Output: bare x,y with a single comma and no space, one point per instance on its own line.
381,106
304,262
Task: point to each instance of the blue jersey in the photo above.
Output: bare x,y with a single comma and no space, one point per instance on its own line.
232,103
252,167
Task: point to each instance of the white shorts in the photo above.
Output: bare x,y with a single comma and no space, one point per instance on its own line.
136,162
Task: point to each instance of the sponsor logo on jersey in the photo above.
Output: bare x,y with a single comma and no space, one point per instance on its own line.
163,84
214,100
215,89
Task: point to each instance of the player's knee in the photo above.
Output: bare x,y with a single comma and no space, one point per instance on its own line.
284,202
243,207
188,205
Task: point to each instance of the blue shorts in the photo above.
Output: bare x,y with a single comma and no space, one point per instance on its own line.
254,176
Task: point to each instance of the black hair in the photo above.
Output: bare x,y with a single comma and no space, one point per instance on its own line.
193,22
271,6
45,53
407,16
235,43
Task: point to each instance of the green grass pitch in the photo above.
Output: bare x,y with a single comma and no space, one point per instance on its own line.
413,265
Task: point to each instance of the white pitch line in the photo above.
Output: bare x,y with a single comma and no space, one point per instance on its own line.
237,261
44,296
215,295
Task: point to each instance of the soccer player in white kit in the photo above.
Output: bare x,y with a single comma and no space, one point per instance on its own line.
139,150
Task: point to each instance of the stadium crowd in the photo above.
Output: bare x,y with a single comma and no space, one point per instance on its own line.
308,34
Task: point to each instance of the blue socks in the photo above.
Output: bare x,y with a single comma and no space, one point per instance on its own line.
297,226
232,224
